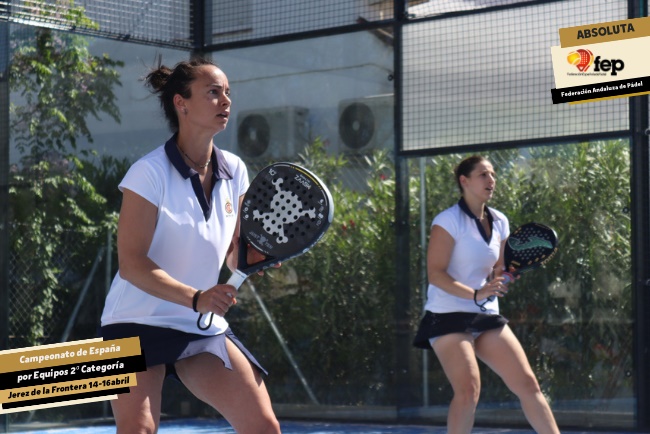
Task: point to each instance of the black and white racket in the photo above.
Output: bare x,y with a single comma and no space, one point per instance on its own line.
529,247
285,211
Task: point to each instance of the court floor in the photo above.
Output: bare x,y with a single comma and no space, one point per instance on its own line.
219,426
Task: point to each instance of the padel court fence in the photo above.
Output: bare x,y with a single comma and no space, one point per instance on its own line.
77,280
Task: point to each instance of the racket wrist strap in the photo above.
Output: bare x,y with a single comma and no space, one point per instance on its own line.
195,300
481,305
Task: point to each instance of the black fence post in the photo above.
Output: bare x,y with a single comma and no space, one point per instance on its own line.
405,375
640,186
4,196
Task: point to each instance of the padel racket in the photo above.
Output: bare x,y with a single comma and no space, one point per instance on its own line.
529,247
285,211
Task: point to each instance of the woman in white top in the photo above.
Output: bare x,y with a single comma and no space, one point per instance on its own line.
178,225
462,320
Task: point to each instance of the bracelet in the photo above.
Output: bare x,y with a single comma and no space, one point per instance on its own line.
477,303
195,299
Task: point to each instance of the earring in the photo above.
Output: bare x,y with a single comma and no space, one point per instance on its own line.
184,111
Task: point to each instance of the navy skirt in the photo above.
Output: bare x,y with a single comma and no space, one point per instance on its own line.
437,324
165,346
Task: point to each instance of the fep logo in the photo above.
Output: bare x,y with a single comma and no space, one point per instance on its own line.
581,59
608,65
605,65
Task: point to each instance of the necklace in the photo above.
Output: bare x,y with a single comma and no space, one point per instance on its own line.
197,165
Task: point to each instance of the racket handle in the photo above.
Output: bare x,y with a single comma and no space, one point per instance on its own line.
508,277
236,279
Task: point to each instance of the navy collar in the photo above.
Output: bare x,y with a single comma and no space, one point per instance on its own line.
463,205
217,158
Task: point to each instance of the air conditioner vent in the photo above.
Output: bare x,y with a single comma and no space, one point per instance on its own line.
272,133
254,135
366,124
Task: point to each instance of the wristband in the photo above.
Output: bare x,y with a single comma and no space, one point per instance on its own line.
477,303
195,299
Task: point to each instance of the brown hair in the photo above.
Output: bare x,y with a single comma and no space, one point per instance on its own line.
465,167
168,82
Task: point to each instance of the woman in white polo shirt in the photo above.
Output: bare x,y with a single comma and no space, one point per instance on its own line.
462,321
178,225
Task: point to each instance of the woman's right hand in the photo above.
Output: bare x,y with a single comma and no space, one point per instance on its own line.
494,287
217,300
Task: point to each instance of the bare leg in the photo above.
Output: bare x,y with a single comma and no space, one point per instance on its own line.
501,351
457,357
138,412
238,394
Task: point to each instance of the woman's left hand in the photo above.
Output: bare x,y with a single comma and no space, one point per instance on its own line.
253,256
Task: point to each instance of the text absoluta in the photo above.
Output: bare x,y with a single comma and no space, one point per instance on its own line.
615,29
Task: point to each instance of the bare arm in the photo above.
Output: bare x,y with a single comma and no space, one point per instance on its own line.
134,236
501,263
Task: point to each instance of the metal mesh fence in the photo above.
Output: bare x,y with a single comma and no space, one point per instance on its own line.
254,19
433,8
172,23
470,80
162,22
43,301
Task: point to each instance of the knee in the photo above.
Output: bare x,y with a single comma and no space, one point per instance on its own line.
468,394
527,386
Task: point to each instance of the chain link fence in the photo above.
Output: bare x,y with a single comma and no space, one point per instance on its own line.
48,306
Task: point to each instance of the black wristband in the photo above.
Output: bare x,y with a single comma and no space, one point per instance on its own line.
477,303
195,299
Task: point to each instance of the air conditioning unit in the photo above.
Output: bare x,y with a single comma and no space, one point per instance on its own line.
272,133
366,124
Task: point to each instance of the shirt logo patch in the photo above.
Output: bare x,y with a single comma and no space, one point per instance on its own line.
228,206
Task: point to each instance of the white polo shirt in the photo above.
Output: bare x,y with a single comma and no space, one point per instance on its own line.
191,237
472,259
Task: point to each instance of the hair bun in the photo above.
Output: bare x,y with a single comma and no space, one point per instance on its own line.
157,78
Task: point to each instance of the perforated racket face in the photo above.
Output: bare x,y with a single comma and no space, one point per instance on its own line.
529,246
286,210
